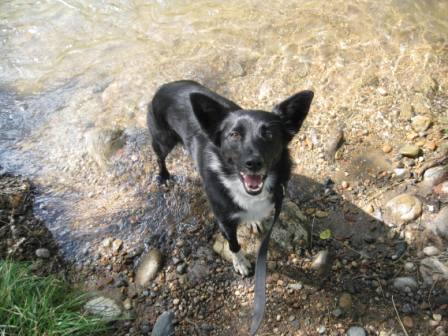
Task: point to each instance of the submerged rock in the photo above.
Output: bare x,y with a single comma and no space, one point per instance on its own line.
101,144
404,208
103,307
148,267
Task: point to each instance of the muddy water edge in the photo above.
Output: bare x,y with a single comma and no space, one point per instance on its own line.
75,79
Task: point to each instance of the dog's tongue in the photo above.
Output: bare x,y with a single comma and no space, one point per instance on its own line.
252,181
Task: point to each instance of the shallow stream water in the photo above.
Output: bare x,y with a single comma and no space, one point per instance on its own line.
76,76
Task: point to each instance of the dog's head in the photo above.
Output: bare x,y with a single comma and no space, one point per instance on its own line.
251,143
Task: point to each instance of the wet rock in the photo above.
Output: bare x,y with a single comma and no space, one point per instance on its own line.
403,283
107,242
404,208
101,144
345,301
356,331
148,267
164,325
181,269
43,253
336,139
439,225
104,307
432,269
431,251
411,151
421,123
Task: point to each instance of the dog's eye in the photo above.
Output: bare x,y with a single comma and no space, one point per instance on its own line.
234,135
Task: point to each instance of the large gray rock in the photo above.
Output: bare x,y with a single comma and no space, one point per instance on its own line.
435,175
439,225
403,208
148,267
164,325
432,269
104,307
290,233
101,144
403,283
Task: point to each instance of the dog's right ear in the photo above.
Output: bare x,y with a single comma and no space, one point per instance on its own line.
209,113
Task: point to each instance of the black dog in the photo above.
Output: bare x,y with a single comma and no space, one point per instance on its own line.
241,155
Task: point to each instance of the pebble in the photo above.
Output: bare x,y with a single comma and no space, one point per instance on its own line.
387,148
421,123
345,184
431,251
148,267
411,151
431,268
43,253
404,207
176,301
409,267
103,307
107,242
356,331
320,260
337,312
408,322
402,283
181,269
127,304
291,318
278,318
345,301
116,245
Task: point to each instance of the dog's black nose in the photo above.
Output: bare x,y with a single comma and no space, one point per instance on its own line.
254,164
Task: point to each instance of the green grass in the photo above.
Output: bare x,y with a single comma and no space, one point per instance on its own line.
32,305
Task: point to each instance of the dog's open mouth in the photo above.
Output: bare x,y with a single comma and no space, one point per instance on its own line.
253,183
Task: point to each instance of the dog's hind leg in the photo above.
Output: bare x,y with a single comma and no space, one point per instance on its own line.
162,150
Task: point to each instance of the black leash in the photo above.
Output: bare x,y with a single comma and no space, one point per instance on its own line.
260,267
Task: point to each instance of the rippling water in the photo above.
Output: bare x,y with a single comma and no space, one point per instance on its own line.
74,74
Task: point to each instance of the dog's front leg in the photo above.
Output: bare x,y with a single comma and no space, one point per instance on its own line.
240,263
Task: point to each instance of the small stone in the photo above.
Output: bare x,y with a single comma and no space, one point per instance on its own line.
164,325
345,184
322,329
320,261
403,283
321,214
439,225
406,111
116,245
421,123
435,175
345,301
431,251
433,270
278,318
337,312
176,301
356,331
408,322
148,267
387,148
291,318
404,208
411,151
296,286
104,307
431,145
107,242
181,269
43,253
127,304
437,317
409,267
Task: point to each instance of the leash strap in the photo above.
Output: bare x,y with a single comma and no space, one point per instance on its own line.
260,268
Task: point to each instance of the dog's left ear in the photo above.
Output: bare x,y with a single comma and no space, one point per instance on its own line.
209,114
293,111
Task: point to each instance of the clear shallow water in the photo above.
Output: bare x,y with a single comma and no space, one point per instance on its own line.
72,71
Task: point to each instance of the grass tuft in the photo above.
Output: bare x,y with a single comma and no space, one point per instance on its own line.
32,305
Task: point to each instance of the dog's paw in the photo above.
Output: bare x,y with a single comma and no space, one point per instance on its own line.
256,227
241,264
